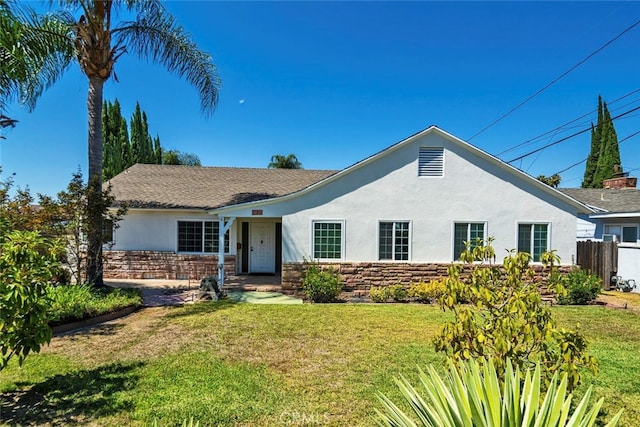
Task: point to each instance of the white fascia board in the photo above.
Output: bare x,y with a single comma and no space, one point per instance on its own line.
615,215
581,207
199,210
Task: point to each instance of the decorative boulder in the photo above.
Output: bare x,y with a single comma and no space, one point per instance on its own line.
209,289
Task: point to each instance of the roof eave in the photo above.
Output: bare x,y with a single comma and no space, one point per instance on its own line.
615,215
579,206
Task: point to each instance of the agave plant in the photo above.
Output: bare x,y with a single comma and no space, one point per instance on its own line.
472,395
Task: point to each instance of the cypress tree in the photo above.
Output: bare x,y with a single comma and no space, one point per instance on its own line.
125,145
121,152
605,150
157,150
115,140
137,138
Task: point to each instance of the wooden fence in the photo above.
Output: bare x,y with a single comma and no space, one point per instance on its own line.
599,257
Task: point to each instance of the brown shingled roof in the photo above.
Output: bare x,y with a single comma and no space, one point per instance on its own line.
195,187
619,200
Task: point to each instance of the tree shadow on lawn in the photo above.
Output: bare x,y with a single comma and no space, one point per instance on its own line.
100,329
73,398
200,307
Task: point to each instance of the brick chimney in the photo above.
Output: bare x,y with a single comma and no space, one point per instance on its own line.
620,180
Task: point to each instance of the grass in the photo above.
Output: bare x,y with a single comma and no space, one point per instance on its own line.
76,302
263,365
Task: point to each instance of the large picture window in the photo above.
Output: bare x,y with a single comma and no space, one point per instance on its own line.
393,241
466,232
327,240
533,239
200,236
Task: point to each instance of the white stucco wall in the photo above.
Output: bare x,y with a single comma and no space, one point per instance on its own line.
628,263
472,190
157,230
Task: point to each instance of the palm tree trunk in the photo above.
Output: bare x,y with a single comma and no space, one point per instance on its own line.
94,193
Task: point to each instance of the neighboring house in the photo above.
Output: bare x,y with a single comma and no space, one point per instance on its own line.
398,216
615,216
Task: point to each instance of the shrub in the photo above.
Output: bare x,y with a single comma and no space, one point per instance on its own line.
320,285
398,293
428,291
472,395
581,288
76,302
379,293
505,318
27,262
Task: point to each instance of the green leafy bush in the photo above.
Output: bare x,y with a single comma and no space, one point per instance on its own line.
398,293
379,293
27,262
76,302
581,288
473,394
428,291
320,285
506,319
384,293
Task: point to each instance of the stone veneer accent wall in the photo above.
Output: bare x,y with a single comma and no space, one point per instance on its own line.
163,265
358,277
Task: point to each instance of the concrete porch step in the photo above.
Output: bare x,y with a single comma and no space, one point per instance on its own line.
251,288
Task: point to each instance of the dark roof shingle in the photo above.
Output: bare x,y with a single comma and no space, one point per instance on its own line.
607,199
195,187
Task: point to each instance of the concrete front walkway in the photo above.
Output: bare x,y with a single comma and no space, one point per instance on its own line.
245,288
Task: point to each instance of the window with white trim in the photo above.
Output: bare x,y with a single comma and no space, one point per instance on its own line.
466,232
393,240
533,239
200,236
327,239
431,162
623,233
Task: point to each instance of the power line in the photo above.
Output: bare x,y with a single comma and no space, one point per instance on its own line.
584,160
558,128
570,136
592,54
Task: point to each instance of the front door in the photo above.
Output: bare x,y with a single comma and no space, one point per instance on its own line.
262,251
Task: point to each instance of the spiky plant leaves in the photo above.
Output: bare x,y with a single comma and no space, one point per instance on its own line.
470,394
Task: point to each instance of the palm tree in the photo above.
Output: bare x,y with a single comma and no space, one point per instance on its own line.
98,44
279,161
30,59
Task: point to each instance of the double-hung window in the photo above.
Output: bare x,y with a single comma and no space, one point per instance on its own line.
200,236
622,233
393,240
327,239
533,239
466,232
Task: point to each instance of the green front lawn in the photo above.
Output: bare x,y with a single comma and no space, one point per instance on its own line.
243,364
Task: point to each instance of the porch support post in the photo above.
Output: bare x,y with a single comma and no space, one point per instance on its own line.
224,226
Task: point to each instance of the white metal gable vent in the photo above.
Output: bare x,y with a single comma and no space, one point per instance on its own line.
431,162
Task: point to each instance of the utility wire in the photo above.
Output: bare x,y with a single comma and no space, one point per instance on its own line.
584,160
558,128
570,136
592,54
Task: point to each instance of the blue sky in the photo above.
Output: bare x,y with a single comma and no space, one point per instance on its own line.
334,82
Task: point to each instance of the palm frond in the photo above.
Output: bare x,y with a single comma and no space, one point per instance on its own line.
157,36
34,53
